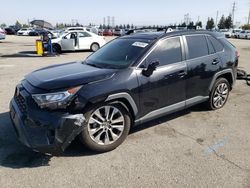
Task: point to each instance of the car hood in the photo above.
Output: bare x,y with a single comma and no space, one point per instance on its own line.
67,75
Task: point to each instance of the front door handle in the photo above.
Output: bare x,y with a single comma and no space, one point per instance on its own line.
215,61
182,73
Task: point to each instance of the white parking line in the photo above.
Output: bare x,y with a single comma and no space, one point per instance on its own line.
6,66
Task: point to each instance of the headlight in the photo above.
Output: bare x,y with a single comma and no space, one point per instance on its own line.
55,100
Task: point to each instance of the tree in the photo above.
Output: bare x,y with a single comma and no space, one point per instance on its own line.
25,25
3,25
190,25
221,24
199,24
246,27
60,25
182,25
229,22
128,26
132,26
120,27
18,25
210,24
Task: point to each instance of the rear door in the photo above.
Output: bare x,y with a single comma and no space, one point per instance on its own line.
85,40
202,63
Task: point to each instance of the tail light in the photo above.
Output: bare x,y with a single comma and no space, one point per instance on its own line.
237,53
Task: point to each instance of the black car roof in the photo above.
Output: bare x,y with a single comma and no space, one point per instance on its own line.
159,35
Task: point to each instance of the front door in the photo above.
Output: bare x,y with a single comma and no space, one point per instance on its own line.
164,90
69,42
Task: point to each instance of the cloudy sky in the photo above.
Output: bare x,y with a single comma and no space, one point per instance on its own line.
138,12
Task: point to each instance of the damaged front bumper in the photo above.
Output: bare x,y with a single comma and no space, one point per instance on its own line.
45,131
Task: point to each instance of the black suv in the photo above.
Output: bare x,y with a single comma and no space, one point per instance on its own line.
131,80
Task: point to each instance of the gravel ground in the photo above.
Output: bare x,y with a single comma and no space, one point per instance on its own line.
192,148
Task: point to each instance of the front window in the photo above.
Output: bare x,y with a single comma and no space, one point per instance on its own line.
119,54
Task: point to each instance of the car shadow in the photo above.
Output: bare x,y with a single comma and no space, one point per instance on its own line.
30,54
155,122
14,155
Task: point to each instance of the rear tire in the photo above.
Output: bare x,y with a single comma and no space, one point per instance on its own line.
219,94
94,47
107,127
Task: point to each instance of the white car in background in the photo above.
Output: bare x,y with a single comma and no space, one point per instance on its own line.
77,40
236,33
24,31
244,34
226,32
89,29
2,34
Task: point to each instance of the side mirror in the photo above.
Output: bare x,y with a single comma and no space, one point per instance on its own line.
150,69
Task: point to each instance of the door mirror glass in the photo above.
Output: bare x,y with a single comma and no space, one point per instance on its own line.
151,68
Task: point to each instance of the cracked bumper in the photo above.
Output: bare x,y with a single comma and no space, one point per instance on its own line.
46,132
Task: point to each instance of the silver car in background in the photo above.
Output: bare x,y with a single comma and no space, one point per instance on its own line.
2,34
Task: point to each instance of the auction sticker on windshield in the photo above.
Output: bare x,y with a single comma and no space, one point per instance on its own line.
140,44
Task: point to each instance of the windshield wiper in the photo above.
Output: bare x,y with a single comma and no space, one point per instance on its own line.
94,65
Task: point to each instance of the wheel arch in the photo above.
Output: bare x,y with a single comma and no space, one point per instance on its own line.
227,74
57,44
126,100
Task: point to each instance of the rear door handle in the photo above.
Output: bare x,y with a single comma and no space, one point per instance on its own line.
215,61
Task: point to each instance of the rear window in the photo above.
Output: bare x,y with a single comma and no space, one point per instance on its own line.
228,43
210,47
197,46
216,44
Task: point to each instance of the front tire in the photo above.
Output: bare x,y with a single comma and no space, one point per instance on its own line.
219,94
107,127
57,48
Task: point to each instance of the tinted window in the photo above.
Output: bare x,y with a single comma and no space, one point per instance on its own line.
197,46
216,44
210,47
167,52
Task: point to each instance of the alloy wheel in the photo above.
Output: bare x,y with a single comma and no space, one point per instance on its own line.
220,95
106,125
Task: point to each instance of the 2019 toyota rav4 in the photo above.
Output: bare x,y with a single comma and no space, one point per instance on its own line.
131,80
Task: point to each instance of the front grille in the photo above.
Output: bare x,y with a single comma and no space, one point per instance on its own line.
20,102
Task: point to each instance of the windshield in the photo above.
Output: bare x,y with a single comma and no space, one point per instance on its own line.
118,54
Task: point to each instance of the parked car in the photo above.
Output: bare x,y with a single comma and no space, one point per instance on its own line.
119,32
131,80
24,32
107,32
38,32
2,34
77,40
226,32
56,33
10,31
236,33
134,31
92,30
75,29
245,34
